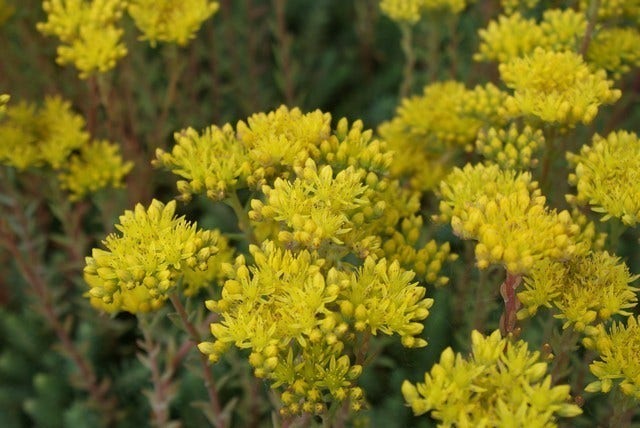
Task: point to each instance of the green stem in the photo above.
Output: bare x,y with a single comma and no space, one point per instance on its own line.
283,52
406,42
616,230
209,382
623,410
563,347
160,397
592,16
547,158
329,416
175,66
244,223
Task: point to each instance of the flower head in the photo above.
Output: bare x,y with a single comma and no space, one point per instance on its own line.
619,363
213,162
170,21
143,264
615,10
4,99
41,136
280,140
503,383
513,36
427,128
511,148
299,317
583,290
6,11
615,50
96,166
556,87
88,31
506,214
607,176
411,10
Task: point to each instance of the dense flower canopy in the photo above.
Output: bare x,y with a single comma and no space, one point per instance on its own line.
502,384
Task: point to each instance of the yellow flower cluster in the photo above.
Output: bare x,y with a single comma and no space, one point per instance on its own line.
6,11
607,176
614,10
427,261
142,266
510,148
327,191
556,87
511,6
318,207
619,363
89,33
4,99
502,384
615,50
513,36
402,10
280,140
98,164
196,279
509,37
213,163
584,290
170,21
427,128
54,136
411,10
43,136
506,214
222,160
303,321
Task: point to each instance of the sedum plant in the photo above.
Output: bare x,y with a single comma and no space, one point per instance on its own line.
464,254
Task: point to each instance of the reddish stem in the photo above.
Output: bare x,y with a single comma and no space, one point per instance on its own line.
511,303
209,382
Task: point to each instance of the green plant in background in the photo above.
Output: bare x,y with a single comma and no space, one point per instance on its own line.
467,251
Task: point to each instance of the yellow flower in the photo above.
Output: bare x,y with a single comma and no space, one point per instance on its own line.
426,261
141,266
4,99
47,135
88,32
513,36
6,12
615,50
280,140
97,165
299,318
556,87
402,10
614,10
427,129
411,10
213,163
607,176
584,290
170,21
511,148
511,6
502,384
509,37
563,30
507,215
619,363
195,279
316,210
